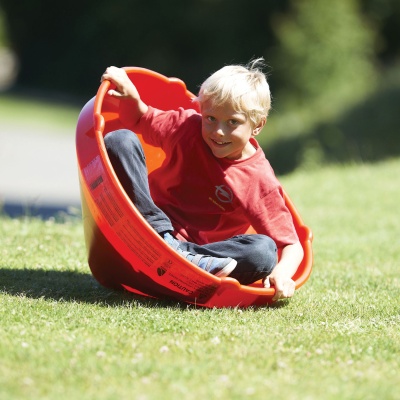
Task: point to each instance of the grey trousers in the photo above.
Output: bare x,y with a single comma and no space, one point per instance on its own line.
256,254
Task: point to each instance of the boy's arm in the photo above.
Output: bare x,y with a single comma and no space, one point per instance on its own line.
281,276
125,90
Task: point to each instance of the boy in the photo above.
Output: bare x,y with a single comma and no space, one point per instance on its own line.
216,179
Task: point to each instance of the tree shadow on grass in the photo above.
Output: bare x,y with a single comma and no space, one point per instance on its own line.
57,212
71,286
368,132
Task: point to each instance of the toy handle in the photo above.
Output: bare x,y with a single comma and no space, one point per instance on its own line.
98,118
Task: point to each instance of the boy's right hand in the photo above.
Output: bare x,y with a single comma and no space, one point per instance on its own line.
126,90
124,86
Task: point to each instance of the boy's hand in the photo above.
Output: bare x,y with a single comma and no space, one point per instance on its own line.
124,86
284,285
281,276
126,90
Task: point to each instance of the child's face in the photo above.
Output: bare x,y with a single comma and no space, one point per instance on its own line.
227,132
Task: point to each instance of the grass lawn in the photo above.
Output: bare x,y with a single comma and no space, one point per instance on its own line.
63,336
37,114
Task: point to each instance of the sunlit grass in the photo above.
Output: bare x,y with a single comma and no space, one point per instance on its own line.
38,113
64,336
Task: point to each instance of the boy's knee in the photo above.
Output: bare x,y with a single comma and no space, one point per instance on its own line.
122,141
124,144
258,258
263,252
266,241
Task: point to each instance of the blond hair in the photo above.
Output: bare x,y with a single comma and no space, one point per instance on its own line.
245,87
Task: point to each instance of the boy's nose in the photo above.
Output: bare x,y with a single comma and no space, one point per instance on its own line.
219,131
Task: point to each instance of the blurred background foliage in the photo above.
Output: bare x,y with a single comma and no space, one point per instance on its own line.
334,67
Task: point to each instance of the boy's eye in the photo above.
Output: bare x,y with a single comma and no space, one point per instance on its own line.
234,122
209,118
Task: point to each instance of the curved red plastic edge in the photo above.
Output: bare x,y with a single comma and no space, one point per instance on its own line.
124,252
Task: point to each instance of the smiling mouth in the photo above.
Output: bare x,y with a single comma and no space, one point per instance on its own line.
219,143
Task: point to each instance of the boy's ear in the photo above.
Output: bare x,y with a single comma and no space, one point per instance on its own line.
259,127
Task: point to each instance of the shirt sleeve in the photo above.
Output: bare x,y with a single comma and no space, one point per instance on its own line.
156,125
271,217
